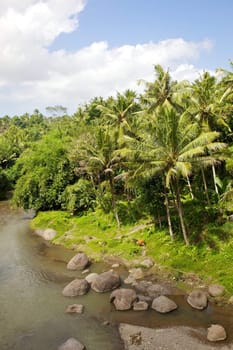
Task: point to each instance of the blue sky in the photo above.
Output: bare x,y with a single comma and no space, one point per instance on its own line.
122,22
68,51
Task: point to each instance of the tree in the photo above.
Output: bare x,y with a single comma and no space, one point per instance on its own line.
96,155
173,147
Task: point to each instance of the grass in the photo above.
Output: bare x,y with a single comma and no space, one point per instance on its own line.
97,234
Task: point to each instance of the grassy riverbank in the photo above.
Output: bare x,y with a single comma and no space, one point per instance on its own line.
97,235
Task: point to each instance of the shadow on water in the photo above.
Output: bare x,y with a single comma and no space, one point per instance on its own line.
32,276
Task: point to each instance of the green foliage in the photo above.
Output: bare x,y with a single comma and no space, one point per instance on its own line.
79,197
44,171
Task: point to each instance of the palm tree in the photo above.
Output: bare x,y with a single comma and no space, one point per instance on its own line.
162,90
97,156
173,147
206,106
120,114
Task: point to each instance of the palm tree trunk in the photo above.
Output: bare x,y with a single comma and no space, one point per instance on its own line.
180,213
111,182
214,177
168,215
205,186
190,187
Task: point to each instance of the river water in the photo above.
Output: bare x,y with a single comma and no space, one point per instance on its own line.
32,276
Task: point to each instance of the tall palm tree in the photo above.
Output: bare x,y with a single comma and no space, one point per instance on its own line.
206,106
162,90
172,148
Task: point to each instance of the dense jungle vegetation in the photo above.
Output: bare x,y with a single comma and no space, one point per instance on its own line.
161,159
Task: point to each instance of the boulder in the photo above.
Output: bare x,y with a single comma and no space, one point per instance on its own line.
216,290
163,304
216,333
75,309
142,287
78,262
71,344
76,287
156,290
147,263
48,234
140,306
91,277
198,299
136,273
106,281
123,299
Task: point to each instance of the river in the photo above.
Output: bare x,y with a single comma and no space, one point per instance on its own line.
32,308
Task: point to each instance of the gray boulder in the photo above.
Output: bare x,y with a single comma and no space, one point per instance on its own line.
71,344
198,299
91,277
123,299
216,290
163,304
48,234
106,281
76,287
216,333
78,262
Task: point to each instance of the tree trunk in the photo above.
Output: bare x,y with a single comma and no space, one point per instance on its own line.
168,216
205,186
190,187
214,177
180,213
115,212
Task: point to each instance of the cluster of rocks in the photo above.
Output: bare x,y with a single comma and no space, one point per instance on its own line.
141,296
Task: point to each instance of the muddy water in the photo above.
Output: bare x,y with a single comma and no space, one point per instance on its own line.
32,276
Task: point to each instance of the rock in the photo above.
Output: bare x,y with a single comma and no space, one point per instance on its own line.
75,308
216,333
106,281
114,266
230,301
163,304
78,262
129,280
145,298
156,290
140,306
198,299
136,273
48,234
123,299
147,263
216,290
71,344
142,286
76,287
106,323
91,277
85,271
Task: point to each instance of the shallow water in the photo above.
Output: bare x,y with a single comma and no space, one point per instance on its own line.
32,276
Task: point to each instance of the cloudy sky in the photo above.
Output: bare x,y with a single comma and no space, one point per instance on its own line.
67,51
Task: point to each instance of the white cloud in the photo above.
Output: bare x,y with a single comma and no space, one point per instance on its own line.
33,76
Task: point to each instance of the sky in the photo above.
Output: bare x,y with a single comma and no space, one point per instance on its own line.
65,52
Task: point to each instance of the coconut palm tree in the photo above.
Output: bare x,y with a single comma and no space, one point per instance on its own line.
172,148
96,156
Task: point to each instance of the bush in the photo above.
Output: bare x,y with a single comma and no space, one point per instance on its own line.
79,197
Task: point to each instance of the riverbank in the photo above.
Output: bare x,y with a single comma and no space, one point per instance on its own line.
98,236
